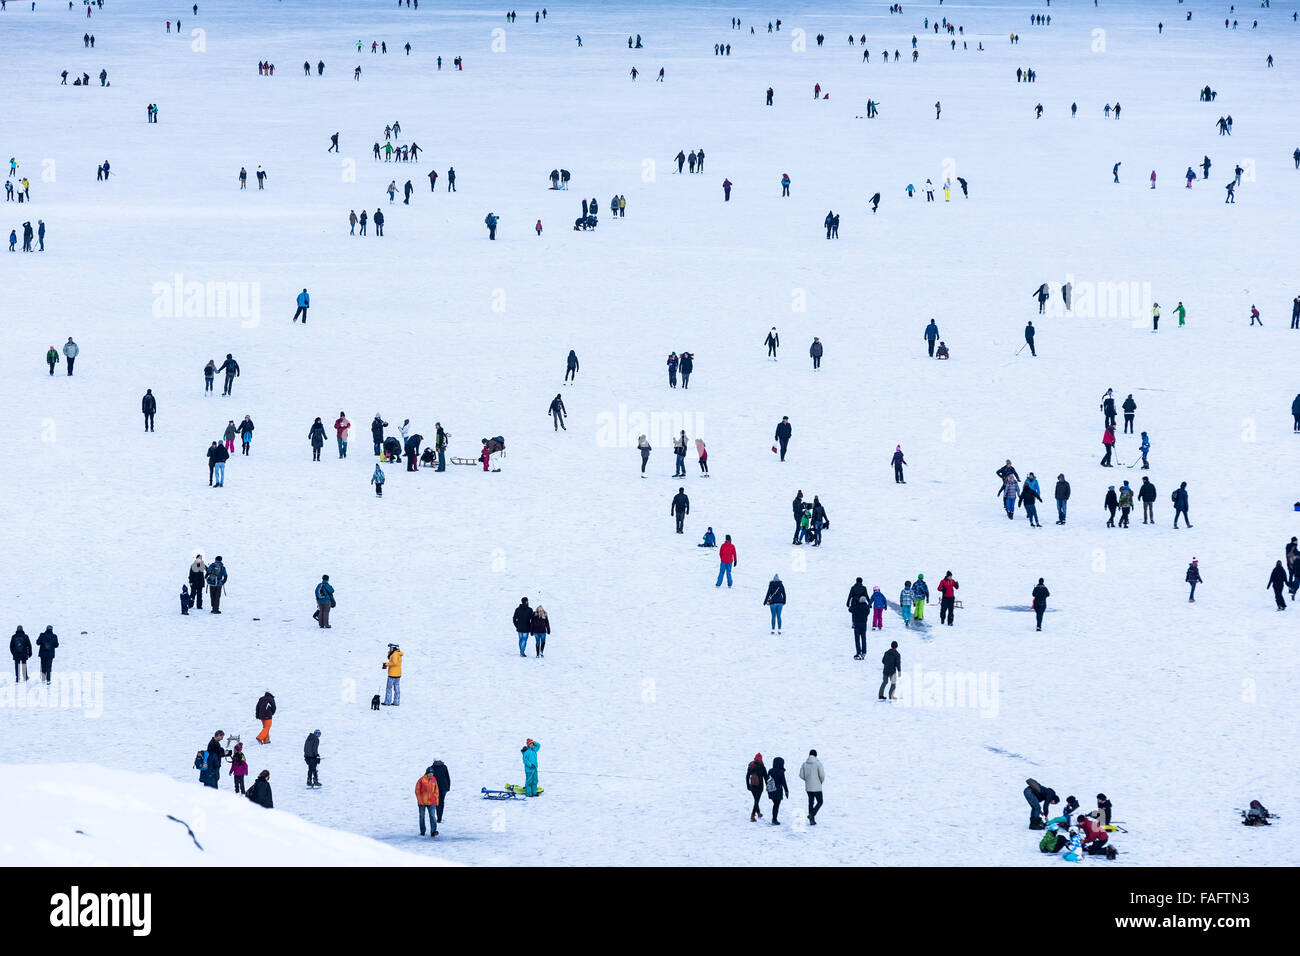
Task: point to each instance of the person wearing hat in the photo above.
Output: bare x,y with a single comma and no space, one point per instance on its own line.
1111,505
52,356
311,754
921,592
443,776
264,711
1062,497
755,782
529,753
393,689
777,789
426,798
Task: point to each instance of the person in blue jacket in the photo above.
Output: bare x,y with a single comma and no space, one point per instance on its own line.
878,604
304,301
710,540
529,753
931,336
1030,495
1146,447
1295,413
324,601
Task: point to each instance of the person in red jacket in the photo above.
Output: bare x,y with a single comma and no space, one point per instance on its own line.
1094,837
341,428
727,555
538,227
947,598
1108,442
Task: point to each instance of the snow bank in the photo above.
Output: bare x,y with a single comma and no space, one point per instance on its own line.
87,815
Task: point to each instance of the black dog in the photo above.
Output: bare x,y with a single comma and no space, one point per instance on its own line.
374,702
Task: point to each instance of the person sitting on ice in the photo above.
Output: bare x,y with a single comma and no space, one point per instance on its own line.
1095,838
1256,816
1054,840
709,540
941,352
427,458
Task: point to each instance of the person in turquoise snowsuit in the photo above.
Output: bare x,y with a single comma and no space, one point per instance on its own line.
530,767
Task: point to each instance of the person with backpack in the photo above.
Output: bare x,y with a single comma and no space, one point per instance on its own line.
1179,498
755,783
947,598
324,601
775,599
215,576
777,790
813,775
20,648
260,791
1193,578
892,665
210,771
239,767
1125,503
1040,596
311,756
426,799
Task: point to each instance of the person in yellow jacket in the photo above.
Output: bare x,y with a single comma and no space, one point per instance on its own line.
426,797
947,190
393,691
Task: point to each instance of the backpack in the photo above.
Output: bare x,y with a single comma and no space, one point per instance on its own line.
201,760
755,779
772,785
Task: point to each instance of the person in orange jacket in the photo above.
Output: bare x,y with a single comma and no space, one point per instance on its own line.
426,798
393,689
947,598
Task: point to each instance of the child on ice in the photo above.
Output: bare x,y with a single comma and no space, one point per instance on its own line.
710,541
377,479
906,598
878,605
187,601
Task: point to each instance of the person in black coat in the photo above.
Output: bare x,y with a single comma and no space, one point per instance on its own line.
1111,505
1004,471
443,776
1276,580
215,753
776,788
859,605
231,368
20,646
1041,594
1029,338
797,505
260,791
783,434
1129,407
686,366
1062,494
1295,414
892,664
377,433
1147,495
148,405
523,622
316,435
680,507
775,599
47,642
571,367
413,452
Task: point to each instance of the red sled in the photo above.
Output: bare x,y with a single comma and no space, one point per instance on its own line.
774,451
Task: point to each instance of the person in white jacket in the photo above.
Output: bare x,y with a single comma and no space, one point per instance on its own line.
812,773
70,352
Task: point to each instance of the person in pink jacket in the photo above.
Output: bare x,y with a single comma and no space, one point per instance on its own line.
704,457
1108,442
239,767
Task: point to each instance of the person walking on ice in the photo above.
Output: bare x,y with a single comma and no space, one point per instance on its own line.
775,600
773,342
427,799
1193,578
892,664
557,412
727,561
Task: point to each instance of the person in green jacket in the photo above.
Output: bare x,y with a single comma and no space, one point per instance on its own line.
530,766
1181,313
1053,840
52,358
920,591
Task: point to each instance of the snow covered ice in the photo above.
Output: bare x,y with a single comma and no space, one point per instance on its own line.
656,688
